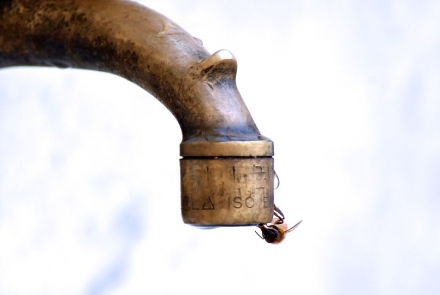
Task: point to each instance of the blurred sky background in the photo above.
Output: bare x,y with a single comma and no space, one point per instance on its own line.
349,91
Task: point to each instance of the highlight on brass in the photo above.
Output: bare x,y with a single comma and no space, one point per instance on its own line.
276,231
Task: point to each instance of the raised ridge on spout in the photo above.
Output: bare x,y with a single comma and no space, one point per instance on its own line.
220,65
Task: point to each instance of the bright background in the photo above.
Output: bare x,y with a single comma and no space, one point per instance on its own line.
349,91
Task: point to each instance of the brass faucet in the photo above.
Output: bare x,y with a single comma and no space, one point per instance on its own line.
227,171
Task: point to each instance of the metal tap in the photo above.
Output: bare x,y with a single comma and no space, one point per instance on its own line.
226,167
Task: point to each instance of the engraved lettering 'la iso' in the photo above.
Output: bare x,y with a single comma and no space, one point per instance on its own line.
230,187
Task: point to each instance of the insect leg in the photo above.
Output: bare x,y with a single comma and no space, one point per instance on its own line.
293,227
278,213
278,179
259,235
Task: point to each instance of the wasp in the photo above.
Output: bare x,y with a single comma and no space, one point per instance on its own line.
276,231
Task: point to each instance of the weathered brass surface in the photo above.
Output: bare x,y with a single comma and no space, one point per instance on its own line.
199,89
234,191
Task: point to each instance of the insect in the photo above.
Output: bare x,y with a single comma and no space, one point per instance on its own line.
276,231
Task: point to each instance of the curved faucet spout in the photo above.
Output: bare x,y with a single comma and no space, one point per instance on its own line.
227,165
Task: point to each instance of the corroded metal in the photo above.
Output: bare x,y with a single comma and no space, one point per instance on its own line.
199,89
